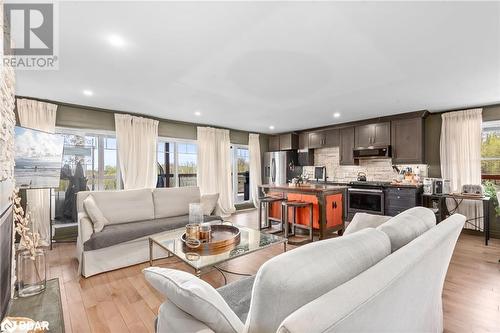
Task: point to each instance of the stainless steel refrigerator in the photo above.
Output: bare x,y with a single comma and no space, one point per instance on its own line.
280,167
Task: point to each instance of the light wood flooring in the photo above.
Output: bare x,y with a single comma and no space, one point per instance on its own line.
122,301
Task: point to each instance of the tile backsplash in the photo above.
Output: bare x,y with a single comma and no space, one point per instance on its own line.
376,170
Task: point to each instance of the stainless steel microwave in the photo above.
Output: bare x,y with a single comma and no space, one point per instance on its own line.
372,152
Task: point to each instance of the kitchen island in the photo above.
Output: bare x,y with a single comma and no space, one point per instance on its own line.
328,205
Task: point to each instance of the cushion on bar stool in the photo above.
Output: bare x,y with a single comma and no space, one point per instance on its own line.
298,204
271,199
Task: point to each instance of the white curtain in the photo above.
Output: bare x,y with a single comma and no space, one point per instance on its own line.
40,116
461,157
255,166
136,139
214,166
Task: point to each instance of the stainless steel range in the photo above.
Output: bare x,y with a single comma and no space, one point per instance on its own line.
365,197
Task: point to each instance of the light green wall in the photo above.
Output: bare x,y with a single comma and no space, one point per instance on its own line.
88,118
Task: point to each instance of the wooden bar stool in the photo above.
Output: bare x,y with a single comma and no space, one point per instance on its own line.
284,213
264,203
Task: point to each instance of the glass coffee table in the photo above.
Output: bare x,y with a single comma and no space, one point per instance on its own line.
250,241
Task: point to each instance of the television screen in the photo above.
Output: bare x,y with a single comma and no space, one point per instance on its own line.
38,158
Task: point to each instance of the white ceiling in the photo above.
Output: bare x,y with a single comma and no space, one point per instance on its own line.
249,65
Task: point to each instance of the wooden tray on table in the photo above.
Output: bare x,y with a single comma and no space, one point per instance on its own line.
223,238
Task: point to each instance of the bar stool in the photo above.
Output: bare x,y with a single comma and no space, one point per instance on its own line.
264,203
284,213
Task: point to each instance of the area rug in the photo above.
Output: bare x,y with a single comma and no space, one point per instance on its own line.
46,306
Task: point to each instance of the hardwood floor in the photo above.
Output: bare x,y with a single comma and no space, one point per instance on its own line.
122,301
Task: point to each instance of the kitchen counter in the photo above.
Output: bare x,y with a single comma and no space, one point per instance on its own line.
306,188
333,183
328,202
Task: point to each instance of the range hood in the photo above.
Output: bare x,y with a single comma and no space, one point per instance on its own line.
372,152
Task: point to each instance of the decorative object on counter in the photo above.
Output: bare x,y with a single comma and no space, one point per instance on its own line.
296,181
31,263
195,213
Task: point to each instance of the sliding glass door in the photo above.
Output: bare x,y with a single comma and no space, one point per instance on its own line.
241,173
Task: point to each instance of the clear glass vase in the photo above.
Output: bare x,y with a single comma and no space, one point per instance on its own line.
31,272
195,213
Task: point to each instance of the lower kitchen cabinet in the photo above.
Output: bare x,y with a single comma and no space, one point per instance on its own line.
399,199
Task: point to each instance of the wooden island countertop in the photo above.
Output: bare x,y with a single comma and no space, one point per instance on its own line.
304,188
328,205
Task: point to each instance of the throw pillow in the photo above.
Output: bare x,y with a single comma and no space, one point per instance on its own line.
196,297
96,216
208,203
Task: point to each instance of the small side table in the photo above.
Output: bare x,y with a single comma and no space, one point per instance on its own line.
443,210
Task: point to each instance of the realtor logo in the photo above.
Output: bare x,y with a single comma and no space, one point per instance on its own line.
12,326
30,35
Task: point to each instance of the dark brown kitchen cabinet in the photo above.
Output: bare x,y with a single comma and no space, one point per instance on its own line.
407,140
317,139
399,199
378,134
274,143
289,141
346,146
304,141
332,138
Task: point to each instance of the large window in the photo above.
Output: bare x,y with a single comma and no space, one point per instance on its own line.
177,162
490,156
89,162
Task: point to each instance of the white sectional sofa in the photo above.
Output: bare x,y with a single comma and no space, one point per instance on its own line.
133,216
387,277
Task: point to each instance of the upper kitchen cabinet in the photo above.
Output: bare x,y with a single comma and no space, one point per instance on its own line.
325,138
332,138
304,141
317,139
347,146
378,134
288,141
274,143
407,140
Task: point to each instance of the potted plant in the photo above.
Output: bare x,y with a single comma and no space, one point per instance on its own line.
31,263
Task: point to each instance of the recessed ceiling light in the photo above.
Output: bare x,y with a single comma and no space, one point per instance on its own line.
271,127
336,115
197,113
87,92
116,40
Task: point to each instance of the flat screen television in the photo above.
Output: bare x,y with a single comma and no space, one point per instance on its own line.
38,158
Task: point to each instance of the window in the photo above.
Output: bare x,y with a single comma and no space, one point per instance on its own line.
241,173
490,156
90,162
178,160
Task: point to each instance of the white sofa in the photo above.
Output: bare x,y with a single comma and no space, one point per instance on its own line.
134,215
384,279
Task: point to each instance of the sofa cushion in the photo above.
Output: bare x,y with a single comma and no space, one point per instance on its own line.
362,221
237,295
119,233
96,216
209,202
125,205
196,297
408,225
297,277
174,201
